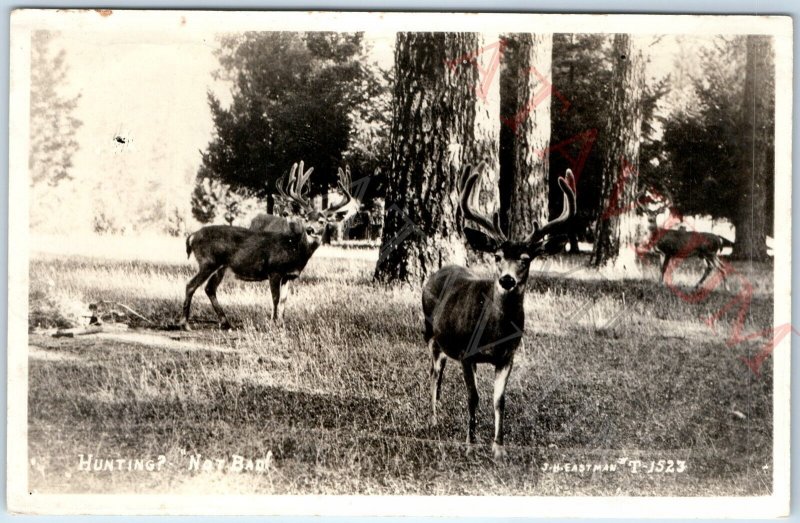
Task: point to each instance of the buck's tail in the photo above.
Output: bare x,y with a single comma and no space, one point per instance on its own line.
189,245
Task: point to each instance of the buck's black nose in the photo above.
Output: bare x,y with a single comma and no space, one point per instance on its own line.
508,282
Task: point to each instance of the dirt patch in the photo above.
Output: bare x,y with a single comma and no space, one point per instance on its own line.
44,346
182,342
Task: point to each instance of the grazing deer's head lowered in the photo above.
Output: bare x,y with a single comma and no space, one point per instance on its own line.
317,223
673,241
277,253
474,319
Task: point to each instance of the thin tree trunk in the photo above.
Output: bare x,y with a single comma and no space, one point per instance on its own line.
527,132
433,133
616,227
509,69
751,223
270,204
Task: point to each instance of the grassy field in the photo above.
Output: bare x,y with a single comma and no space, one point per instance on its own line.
335,400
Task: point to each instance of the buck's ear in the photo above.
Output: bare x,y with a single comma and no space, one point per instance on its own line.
480,241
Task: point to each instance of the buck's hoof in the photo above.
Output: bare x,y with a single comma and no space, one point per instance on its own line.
225,326
499,452
184,326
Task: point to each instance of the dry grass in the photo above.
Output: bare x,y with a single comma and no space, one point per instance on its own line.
338,393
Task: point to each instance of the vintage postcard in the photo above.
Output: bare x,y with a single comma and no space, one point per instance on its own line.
399,264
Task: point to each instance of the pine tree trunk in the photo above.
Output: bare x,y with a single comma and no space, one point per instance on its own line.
751,223
526,132
485,143
435,109
615,231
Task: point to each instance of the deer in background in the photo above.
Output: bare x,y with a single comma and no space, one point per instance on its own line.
679,243
324,220
475,319
256,255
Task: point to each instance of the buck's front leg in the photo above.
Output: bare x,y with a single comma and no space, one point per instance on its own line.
279,288
438,360
472,401
501,373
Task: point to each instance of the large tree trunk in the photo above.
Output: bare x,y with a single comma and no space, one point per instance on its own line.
616,227
526,131
754,165
442,118
484,145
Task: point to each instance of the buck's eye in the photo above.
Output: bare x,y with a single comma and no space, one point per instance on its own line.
497,258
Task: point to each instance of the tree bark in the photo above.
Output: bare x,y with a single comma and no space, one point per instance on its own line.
526,132
484,143
616,227
438,124
754,165
270,203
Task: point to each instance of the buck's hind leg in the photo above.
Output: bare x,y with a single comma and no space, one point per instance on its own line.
664,265
709,267
211,292
275,291
202,275
472,400
501,373
438,361
721,268
285,289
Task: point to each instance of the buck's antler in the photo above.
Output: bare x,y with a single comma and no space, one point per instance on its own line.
466,184
567,184
292,188
343,182
280,186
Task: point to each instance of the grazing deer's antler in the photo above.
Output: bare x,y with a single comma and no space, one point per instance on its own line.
466,184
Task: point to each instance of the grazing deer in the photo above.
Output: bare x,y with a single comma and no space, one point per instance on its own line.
679,243
255,255
475,319
324,220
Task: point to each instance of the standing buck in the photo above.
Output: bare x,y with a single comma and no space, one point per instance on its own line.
475,319
256,255
679,243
